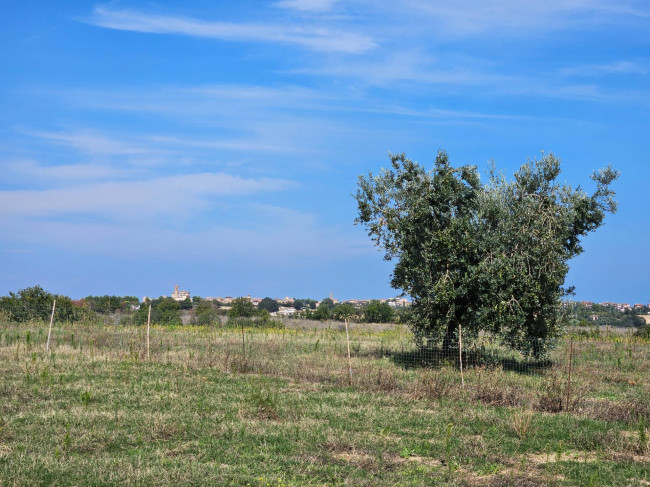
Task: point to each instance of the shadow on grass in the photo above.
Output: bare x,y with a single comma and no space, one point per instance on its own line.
438,357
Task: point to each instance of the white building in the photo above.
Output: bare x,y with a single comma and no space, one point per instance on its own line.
180,295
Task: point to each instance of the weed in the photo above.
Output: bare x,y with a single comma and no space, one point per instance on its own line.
5,432
489,469
643,437
407,452
492,389
559,450
449,460
66,439
266,403
86,398
593,479
521,422
551,395
434,383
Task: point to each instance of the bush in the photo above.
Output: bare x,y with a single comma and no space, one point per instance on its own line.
643,332
35,303
164,311
551,395
242,308
377,312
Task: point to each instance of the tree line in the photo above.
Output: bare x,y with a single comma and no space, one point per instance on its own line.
34,303
606,315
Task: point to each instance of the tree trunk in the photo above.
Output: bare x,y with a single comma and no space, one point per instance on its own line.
449,340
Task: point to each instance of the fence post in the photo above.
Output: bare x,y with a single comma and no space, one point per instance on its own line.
347,336
460,354
243,342
568,387
148,327
49,332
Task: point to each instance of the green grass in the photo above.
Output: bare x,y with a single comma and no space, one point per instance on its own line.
96,412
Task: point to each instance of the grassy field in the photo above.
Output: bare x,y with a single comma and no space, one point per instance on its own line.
284,411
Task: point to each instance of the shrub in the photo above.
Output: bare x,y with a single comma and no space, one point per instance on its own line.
551,395
643,332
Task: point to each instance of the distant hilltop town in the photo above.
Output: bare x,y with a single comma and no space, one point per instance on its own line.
610,313
397,302
180,295
622,307
286,303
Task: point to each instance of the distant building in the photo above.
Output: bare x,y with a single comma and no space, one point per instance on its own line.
398,302
284,311
180,295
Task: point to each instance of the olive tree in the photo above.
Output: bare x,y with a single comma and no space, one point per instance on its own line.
490,257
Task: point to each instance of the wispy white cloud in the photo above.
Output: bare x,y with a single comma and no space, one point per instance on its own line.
91,142
312,37
210,102
146,149
270,114
307,5
410,65
505,17
619,67
165,196
34,171
478,79
288,242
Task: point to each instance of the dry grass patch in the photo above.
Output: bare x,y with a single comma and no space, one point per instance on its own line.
365,459
564,456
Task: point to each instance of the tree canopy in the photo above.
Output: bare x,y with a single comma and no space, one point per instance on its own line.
490,257
242,308
378,312
35,303
269,304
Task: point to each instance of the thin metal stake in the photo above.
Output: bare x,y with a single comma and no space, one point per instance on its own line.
568,386
347,336
243,343
148,326
460,354
49,332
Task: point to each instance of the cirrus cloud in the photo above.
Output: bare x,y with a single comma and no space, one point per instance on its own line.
313,37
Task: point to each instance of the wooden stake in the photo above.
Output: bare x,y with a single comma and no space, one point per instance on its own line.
568,386
243,342
460,354
49,332
148,327
347,336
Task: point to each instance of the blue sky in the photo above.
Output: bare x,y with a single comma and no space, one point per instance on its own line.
217,144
